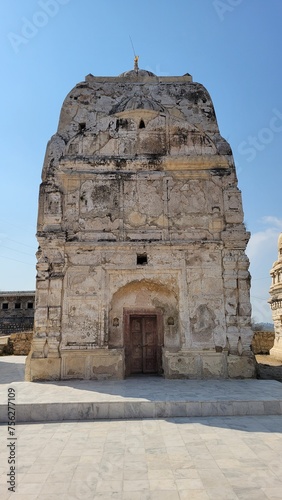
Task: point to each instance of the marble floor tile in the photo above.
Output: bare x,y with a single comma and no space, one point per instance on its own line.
164,495
158,464
29,488
251,494
136,495
88,475
186,474
53,496
56,476
272,493
18,496
34,478
108,496
160,474
206,463
135,485
135,475
130,456
139,465
109,486
162,484
82,460
194,495
221,493
78,490
191,484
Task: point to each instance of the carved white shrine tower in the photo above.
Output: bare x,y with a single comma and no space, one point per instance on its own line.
276,301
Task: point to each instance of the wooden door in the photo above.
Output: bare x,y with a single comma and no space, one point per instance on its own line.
143,344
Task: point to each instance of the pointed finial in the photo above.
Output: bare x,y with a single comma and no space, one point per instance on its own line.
136,68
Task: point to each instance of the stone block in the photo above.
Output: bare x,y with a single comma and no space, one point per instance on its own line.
132,410
241,366
181,365
101,410
209,409
241,408
107,365
116,410
163,409
193,409
272,408
74,366
43,369
147,409
96,364
256,408
225,408
214,365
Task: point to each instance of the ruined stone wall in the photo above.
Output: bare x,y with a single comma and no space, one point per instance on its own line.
21,343
262,342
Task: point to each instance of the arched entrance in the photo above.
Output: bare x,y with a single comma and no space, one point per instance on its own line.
139,324
143,341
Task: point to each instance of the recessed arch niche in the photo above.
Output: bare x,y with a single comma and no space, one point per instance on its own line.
146,296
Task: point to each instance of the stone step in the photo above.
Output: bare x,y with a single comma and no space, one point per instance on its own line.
57,412
141,397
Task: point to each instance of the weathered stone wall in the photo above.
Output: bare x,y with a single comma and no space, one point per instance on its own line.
5,346
21,343
139,211
18,344
262,342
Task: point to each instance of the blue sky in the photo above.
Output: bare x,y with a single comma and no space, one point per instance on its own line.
232,47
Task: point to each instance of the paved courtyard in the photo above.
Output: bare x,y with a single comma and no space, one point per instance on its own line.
218,458
134,397
182,458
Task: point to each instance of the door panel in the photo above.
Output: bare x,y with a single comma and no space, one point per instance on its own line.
136,335
143,344
150,344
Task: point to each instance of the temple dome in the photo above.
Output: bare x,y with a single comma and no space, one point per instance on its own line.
134,74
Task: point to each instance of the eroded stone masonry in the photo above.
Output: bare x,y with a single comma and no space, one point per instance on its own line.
141,261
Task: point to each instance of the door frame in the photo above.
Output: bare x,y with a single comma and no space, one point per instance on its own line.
127,313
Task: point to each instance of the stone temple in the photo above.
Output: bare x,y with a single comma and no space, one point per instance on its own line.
276,302
141,261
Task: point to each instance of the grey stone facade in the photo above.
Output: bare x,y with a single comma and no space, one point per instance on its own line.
141,263
16,311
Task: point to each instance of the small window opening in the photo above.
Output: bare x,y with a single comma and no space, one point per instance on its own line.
17,305
5,306
141,124
82,127
30,305
142,259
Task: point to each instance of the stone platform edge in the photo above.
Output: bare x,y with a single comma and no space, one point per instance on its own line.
57,412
